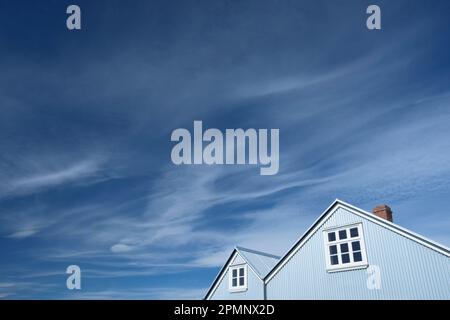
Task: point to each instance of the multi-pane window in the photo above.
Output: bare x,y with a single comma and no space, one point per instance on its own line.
238,277
344,247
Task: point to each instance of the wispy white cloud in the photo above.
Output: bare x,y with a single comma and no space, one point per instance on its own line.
36,174
68,174
151,293
18,289
120,247
20,234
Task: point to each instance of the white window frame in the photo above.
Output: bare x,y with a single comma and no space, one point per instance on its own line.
237,288
351,265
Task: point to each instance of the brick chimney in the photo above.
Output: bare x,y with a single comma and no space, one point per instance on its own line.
383,211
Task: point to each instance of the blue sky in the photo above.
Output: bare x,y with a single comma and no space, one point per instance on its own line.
86,117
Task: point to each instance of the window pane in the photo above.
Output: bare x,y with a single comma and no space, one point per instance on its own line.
343,234
234,273
353,232
334,260
241,272
234,282
356,246
357,256
333,249
344,247
331,236
345,258
241,281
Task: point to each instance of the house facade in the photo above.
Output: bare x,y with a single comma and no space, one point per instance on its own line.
347,253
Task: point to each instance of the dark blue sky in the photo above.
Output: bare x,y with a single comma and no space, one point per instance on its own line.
86,117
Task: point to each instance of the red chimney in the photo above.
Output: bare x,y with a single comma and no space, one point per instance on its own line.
383,211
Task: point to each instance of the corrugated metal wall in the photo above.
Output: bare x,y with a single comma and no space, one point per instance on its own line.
409,270
255,286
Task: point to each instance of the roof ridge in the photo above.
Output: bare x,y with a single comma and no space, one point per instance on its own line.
239,248
437,246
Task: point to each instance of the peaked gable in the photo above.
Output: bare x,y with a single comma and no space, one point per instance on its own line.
260,263
357,211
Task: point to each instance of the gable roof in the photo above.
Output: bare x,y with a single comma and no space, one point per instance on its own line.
370,216
260,262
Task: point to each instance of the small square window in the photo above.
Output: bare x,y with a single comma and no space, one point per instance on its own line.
353,232
234,282
234,273
344,247
333,249
241,281
334,260
342,234
241,272
356,246
331,236
345,258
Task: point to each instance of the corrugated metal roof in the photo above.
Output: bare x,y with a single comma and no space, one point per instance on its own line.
261,262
